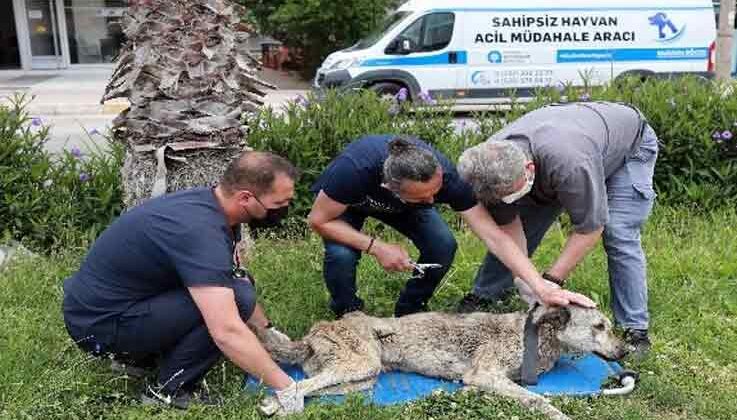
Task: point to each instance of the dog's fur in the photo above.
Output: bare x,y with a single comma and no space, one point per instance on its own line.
483,350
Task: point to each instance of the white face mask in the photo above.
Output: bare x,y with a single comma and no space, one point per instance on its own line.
511,198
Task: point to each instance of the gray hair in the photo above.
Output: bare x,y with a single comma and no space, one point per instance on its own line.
492,168
408,162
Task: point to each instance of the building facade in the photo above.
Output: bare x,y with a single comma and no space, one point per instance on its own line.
59,34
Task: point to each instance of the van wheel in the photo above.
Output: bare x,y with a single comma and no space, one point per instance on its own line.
386,90
632,78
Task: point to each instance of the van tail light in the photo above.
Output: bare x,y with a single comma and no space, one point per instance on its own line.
711,65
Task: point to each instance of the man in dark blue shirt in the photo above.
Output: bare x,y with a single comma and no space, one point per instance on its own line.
398,180
164,282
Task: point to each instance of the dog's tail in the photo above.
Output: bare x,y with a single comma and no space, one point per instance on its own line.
282,348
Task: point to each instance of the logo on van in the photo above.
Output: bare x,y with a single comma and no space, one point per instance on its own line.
495,57
667,30
480,78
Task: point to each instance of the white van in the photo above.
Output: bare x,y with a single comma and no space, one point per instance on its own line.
477,51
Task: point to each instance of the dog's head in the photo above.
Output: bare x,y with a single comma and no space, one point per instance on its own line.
582,330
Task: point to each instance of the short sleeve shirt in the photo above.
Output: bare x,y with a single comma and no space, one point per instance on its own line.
175,241
355,178
575,148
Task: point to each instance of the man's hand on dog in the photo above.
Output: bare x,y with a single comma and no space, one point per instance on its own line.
555,296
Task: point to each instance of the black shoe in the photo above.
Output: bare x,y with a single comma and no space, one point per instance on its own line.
135,367
128,370
508,301
473,303
153,395
402,309
340,311
638,343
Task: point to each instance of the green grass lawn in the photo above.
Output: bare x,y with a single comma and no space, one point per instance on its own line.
691,373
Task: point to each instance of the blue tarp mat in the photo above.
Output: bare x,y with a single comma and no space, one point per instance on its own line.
575,376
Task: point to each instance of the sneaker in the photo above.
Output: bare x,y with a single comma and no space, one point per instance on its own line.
181,400
638,343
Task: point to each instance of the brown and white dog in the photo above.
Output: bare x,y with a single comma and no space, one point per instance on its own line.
484,350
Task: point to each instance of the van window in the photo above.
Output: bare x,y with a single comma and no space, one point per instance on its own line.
413,33
387,25
438,31
431,32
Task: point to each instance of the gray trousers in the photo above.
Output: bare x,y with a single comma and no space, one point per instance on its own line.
630,197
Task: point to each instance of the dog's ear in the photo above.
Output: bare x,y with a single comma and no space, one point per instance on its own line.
557,316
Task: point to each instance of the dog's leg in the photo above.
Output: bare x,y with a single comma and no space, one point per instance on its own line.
324,383
327,379
503,386
335,380
281,347
347,388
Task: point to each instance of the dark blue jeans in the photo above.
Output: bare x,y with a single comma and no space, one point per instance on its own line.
169,330
425,228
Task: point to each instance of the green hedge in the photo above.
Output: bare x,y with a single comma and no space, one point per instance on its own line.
51,201
694,167
67,199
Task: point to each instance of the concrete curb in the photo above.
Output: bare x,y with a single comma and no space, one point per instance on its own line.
76,109
275,99
4,255
113,107
11,252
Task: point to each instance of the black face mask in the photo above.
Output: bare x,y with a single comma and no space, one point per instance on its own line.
272,219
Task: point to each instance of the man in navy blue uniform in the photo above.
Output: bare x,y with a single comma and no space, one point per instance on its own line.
164,283
397,181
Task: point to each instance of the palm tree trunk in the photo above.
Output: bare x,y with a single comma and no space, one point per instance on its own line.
189,78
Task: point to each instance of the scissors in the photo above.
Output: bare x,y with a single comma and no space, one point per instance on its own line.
422,267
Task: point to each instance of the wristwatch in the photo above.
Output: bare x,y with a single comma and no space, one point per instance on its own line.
242,273
556,280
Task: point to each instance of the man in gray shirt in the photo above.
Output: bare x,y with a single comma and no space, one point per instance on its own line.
594,161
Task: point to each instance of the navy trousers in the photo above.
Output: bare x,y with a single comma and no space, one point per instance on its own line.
168,330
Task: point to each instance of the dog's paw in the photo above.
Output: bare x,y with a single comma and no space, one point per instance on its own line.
278,335
269,406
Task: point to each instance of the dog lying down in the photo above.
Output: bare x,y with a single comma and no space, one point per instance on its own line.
485,351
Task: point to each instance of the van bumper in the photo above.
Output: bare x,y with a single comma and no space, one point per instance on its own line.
331,79
674,75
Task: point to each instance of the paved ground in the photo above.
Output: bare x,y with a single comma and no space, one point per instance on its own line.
80,131
69,101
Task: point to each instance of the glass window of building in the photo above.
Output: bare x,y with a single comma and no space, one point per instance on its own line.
94,30
9,53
